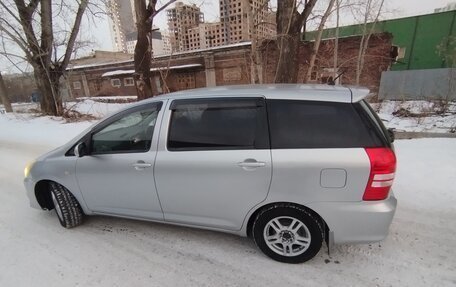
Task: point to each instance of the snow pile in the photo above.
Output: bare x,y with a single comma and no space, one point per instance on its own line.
43,131
411,116
51,131
418,116
95,108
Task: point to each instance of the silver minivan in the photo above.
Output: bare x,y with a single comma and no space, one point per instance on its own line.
289,165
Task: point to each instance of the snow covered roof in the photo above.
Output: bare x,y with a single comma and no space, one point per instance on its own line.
129,72
98,64
118,72
242,44
247,43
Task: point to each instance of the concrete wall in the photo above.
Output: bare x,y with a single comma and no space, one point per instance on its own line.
429,84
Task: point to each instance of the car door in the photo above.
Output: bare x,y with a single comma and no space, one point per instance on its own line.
116,177
213,162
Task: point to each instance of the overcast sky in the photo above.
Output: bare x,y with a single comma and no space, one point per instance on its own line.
100,35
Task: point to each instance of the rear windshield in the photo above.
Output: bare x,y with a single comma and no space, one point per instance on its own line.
312,124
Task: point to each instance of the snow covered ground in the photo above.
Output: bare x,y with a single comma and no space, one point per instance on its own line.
422,116
35,251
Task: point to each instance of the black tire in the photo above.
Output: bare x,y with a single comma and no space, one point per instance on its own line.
66,206
308,223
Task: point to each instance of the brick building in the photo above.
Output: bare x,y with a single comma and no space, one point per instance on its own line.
377,59
230,65
185,70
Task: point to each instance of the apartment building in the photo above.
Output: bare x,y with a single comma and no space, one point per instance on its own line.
238,18
160,42
121,22
242,17
206,35
181,19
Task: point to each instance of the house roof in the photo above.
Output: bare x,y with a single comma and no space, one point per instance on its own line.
130,72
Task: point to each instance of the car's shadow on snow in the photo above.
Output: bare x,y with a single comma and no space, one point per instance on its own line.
200,241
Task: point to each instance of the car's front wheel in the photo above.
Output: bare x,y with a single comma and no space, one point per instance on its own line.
288,233
66,206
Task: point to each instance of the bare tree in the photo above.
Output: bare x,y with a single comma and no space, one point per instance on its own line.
256,38
367,33
290,23
4,96
336,40
32,28
143,51
316,45
447,51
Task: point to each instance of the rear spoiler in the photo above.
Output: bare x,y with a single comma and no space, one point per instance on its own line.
358,93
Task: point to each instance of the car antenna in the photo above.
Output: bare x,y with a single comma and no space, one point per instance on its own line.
332,82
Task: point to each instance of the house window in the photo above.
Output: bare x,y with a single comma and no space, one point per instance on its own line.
77,85
116,83
397,53
128,82
401,53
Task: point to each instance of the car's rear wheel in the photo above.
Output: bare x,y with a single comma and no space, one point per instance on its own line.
288,233
66,206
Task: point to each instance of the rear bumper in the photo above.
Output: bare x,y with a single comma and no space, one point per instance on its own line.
357,222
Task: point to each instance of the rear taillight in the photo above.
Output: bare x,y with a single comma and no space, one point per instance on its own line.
383,167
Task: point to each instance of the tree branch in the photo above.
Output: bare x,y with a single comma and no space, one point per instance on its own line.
31,7
74,33
18,41
308,7
25,16
47,36
161,9
13,29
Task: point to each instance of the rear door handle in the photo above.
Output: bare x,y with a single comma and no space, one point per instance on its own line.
140,165
251,163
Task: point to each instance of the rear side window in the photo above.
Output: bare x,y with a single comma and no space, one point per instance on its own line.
208,124
366,109
311,124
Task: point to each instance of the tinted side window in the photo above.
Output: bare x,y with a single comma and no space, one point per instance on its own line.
366,109
130,133
309,124
217,124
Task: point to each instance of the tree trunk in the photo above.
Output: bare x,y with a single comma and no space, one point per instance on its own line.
4,96
289,25
142,55
364,44
316,45
336,40
254,60
49,87
287,70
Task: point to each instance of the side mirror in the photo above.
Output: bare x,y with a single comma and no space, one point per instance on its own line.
391,134
80,150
